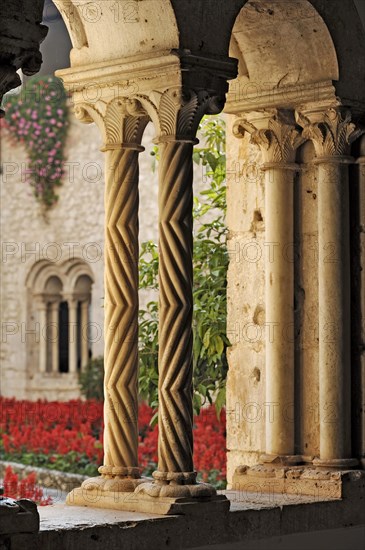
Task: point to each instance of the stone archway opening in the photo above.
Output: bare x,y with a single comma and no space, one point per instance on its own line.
300,78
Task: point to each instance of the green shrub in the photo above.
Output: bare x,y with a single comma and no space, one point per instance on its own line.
210,263
91,379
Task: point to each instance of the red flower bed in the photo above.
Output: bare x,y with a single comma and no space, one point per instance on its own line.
24,488
68,436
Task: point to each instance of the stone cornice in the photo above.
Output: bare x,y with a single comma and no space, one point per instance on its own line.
246,96
121,77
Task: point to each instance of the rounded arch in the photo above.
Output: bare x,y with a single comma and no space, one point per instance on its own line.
53,285
101,32
66,273
73,270
40,273
283,43
83,284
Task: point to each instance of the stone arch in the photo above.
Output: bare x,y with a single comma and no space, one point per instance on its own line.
116,30
74,269
283,44
292,45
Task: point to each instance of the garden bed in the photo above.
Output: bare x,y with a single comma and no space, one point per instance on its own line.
55,438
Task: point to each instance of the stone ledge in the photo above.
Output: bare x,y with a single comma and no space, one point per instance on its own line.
251,518
319,483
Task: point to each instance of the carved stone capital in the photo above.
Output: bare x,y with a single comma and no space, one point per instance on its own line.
333,134
122,121
177,112
278,139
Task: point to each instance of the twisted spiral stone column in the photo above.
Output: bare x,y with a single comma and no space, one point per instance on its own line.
175,475
120,471
176,308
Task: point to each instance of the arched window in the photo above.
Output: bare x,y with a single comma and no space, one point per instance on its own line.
59,298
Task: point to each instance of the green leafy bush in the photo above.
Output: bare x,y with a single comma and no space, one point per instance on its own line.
91,379
210,259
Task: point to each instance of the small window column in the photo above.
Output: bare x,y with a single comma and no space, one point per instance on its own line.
42,318
72,334
54,335
84,333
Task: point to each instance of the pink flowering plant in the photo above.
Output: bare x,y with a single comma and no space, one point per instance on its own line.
37,118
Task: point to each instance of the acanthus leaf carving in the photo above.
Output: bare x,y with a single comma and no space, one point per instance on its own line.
179,111
278,141
333,135
121,121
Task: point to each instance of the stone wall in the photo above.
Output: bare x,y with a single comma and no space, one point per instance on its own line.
246,309
73,228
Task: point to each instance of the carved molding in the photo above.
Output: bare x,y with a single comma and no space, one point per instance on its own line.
177,113
333,135
180,115
278,141
121,121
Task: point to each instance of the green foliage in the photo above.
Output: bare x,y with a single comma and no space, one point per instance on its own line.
210,271
91,379
71,462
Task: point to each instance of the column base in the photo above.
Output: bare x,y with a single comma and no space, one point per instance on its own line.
142,502
336,463
296,480
116,479
284,460
176,485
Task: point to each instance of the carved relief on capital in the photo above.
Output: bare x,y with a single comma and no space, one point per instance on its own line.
177,113
333,135
121,121
278,140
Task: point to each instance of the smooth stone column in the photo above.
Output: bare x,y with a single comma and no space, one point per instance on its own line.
84,334
334,312
279,303
55,336
331,137
278,137
72,336
42,308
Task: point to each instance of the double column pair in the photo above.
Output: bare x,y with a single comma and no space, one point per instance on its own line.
50,332
278,137
177,121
